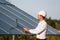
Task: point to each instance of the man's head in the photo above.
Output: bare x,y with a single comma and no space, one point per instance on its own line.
41,15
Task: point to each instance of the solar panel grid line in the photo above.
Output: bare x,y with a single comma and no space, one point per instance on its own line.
9,17
16,15
6,15
28,22
23,15
16,29
4,30
11,25
53,28
18,11
17,24
29,16
6,3
26,14
11,30
4,25
51,31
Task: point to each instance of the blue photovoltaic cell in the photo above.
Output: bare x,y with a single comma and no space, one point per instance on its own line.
13,19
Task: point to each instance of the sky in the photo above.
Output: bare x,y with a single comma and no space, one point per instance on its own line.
32,7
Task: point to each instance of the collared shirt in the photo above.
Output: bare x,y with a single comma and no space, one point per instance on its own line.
40,27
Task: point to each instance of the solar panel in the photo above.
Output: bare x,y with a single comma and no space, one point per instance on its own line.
13,19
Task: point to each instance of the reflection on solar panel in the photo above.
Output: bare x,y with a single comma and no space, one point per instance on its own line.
13,19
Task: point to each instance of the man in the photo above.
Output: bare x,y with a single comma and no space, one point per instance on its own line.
40,30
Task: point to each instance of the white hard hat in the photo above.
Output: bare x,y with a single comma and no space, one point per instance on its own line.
43,13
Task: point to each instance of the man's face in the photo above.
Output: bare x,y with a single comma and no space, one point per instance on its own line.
39,17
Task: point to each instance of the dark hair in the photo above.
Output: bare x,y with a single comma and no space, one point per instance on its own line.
43,17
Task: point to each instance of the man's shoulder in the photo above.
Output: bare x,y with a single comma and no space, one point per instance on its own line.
44,22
